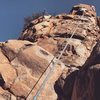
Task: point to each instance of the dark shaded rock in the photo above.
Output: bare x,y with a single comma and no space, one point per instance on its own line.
98,21
94,57
64,85
87,83
87,10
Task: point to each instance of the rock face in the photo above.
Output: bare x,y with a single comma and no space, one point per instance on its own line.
87,10
86,86
63,24
51,32
64,85
26,63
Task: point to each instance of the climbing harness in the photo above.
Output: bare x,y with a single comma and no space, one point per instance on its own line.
51,70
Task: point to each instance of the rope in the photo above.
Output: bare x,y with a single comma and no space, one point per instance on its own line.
40,77
43,84
47,76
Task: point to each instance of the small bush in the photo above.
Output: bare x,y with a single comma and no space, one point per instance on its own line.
34,16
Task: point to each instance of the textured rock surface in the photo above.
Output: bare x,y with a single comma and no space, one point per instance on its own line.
24,62
64,85
51,32
75,54
86,86
62,24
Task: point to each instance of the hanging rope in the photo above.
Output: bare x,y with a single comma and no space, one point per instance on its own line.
49,73
40,77
47,76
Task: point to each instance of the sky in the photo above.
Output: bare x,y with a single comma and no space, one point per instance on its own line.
12,13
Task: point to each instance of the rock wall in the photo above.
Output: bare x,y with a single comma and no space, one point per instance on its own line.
50,32
86,86
24,62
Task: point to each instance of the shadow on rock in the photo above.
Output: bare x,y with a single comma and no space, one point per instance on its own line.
64,85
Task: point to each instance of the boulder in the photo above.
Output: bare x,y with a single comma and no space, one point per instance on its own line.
85,9
12,47
28,62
